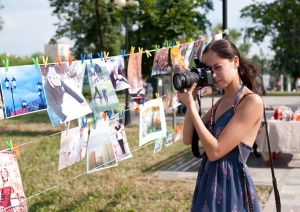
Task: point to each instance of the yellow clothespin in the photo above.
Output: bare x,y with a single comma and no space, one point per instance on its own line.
106,56
157,96
45,61
16,150
148,53
191,40
140,50
177,43
132,51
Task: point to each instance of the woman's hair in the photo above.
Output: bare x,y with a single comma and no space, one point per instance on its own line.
248,72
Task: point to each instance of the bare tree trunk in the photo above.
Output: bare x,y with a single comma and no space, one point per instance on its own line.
99,27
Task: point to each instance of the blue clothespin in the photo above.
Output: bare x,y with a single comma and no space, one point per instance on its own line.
84,122
82,57
100,55
123,52
36,62
5,64
10,145
90,56
109,113
172,44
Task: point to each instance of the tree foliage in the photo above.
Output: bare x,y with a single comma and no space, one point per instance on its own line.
99,25
279,20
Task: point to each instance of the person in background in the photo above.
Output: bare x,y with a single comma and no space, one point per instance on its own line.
227,131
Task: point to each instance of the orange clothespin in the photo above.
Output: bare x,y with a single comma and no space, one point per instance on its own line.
58,59
137,108
132,51
197,41
148,53
140,50
106,55
184,42
104,115
16,150
70,58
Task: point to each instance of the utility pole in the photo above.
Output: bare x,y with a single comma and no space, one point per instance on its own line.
224,14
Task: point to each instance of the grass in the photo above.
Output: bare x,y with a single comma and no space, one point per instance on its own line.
127,187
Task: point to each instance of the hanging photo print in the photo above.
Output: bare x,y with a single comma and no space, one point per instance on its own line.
175,101
158,145
22,90
137,86
199,47
118,137
160,62
177,59
64,98
103,93
152,121
100,152
75,72
168,101
72,146
11,189
178,133
115,67
188,52
1,108
169,138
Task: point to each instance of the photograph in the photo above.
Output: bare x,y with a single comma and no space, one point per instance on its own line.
104,96
65,101
118,137
160,62
178,133
158,145
169,139
152,121
22,90
73,144
11,189
188,52
168,101
178,59
75,71
100,152
115,67
137,89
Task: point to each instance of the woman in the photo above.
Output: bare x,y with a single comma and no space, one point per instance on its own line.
227,132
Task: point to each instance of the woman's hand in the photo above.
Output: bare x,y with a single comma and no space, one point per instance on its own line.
188,95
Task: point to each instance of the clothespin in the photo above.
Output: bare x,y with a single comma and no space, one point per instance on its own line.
109,113
197,41
16,150
90,123
123,52
70,59
104,115
36,62
140,50
45,61
67,126
150,131
100,55
132,51
120,111
5,64
83,122
172,131
148,53
168,45
177,43
106,55
10,145
90,56
82,57
172,44
137,108
157,47
143,101
95,119
58,59
157,96
184,42
191,40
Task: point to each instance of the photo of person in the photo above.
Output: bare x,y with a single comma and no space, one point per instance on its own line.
64,99
199,49
152,121
12,194
158,145
103,93
75,71
169,139
160,62
177,59
22,90
118,137
137,85
72,146
100,152
115,67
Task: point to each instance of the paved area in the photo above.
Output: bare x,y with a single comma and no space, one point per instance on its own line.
287,166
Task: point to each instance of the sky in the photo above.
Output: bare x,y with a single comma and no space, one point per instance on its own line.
29,25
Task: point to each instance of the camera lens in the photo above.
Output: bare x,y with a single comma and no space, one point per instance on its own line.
178,81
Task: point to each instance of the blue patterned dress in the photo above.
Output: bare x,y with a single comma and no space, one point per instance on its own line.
220,184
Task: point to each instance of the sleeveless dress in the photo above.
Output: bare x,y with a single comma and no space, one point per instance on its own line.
220,184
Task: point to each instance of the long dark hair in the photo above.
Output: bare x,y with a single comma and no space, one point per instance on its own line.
248,71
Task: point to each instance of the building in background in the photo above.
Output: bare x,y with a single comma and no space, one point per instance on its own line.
62,50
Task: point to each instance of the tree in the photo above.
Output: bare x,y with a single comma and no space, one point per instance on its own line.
280,21
98,25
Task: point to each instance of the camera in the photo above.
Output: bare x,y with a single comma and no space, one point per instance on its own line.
201,74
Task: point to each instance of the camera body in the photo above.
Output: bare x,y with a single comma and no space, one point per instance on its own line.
201,74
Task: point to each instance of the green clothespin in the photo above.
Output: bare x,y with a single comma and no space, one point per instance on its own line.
95,119
157,47
10,145
168,45
120,111
36,62
172,131
5,64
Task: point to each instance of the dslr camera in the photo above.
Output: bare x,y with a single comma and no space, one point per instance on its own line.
201,74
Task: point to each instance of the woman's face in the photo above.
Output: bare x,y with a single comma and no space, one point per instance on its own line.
4,174
224,70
